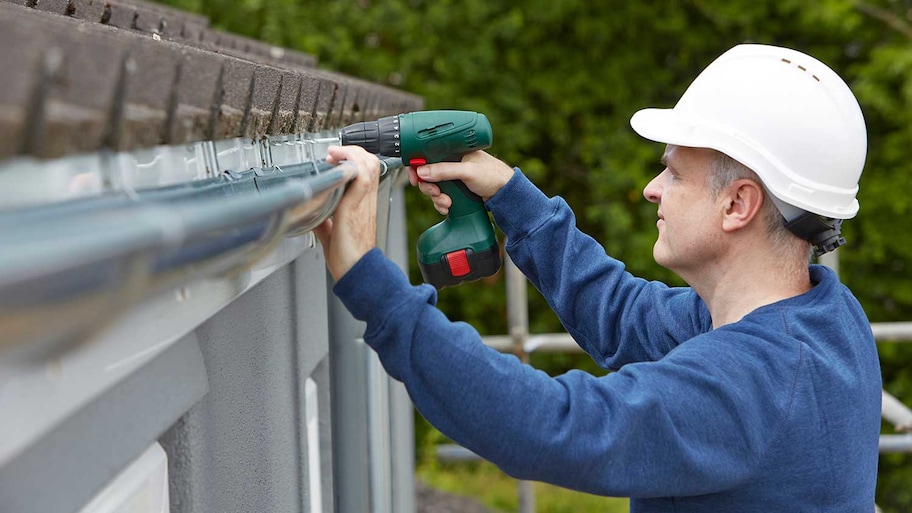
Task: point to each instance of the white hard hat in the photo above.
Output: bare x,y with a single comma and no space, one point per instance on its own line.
782,113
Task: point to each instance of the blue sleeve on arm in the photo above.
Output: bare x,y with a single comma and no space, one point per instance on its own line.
600,435
614,316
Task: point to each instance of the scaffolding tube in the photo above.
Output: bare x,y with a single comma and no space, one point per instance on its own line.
896,443
896,413
70,268
518,321
892,331
453,453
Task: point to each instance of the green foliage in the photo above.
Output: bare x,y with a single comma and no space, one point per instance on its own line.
484,482
559,82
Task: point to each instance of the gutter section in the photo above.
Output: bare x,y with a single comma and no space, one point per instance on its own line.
70,268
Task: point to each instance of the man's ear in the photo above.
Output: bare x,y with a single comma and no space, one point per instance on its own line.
743,199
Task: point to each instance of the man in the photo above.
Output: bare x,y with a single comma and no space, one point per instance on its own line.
757,388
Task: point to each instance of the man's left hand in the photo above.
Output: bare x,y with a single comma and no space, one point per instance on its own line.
352,231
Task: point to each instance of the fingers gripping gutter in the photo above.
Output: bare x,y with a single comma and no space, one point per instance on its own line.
352,231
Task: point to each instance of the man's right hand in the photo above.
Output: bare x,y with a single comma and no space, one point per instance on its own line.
483,174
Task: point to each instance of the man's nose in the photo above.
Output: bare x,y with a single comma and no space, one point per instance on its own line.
653,190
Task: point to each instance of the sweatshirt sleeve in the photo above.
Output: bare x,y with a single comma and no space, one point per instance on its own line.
615,317
600,435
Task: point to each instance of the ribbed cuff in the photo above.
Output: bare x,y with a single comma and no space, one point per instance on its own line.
519,195
366,288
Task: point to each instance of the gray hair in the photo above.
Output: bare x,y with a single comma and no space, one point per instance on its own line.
724,171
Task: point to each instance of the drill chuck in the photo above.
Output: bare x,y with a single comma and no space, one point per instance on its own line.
380,137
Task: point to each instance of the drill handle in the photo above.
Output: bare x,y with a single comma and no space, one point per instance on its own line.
464,200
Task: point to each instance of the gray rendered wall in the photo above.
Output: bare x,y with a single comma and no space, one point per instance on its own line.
226,399
243,447
67,465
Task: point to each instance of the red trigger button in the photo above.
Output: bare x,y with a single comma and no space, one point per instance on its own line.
418,162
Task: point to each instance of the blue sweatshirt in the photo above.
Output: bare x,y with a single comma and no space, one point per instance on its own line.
779,411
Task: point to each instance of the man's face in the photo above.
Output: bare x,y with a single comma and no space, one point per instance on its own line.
689,219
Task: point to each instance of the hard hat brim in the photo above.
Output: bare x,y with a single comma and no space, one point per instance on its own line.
666,126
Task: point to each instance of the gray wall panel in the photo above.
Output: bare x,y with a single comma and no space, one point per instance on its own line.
65,469
312,330
348,370
243,448
310,309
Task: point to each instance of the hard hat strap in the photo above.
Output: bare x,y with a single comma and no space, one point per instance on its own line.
824,233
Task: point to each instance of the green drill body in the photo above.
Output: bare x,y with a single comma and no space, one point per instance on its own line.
463,247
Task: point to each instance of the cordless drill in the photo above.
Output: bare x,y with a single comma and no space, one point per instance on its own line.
462,247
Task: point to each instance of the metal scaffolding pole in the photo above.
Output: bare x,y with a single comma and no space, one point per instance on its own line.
518,324
896,413
896,443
